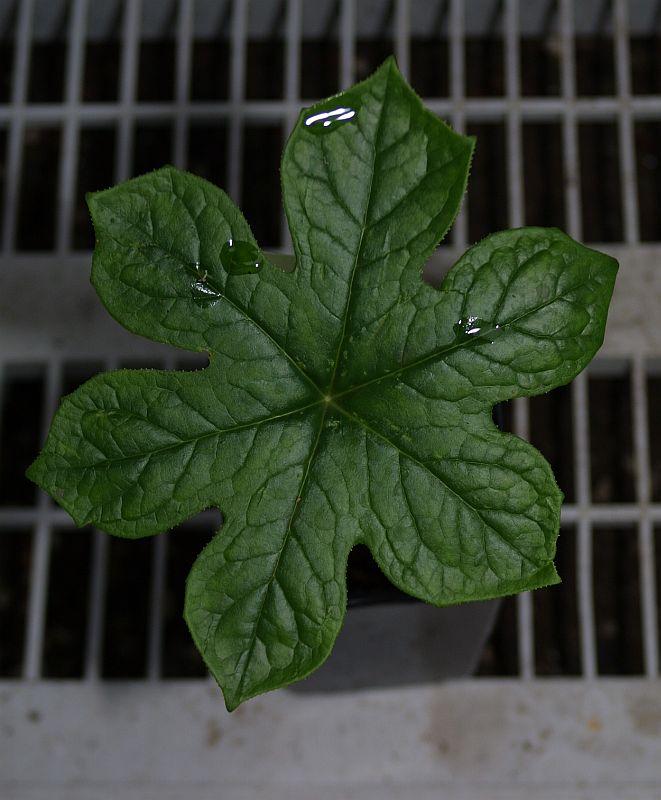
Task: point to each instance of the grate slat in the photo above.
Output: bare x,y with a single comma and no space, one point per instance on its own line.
97,594
183,80
625,124
646,548
128,82
347,43
403,35
71,138
584,531
294,24
237,95
16,119
36,616
458,91
525,620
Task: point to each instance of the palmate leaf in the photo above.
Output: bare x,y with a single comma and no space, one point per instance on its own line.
344,402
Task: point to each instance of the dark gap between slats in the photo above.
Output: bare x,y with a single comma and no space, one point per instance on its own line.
648,171
7,47
261,203
180,658
47,60
35,228
101,71
601,202
207,151
430,71
540,66
654,424
152,148
551,432
487,184
484,52
595,65
616,587
68,603
611,440
126,627
543,171
3,171
265,78
96,166
555,615
20,435
645,55
15,557
320,65
370,54
500,656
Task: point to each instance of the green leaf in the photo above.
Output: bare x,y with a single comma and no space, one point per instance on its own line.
345,401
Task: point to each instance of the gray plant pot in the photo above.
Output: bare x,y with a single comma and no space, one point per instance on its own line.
394,644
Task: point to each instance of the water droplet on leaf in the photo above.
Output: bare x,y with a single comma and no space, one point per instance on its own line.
472,327
204,294
329,119
240,258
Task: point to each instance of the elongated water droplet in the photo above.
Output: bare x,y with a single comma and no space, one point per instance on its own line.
329,119
204,294
472,327
112,414
240,258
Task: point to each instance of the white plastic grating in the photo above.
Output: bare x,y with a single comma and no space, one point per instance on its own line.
34,337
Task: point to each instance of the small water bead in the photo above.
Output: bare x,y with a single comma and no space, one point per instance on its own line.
471,327
240,258
326,121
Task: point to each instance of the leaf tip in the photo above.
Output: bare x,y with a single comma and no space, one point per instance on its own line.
33,472
390,63
613,264
547,576
232,702
38,473
90,201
